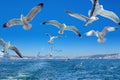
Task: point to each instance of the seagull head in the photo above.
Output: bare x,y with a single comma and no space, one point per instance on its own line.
101,6
9,44
22,16
96,18
64,25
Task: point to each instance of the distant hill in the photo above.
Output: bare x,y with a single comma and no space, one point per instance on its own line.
100,56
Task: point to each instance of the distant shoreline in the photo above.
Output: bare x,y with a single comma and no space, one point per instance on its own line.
102,56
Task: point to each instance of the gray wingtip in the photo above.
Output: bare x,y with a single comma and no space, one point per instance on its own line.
41,4
5,25
21,56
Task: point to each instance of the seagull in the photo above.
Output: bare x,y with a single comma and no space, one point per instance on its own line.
101,35
99,10
8,46
92,14
24,19
63,27
88,20
52,38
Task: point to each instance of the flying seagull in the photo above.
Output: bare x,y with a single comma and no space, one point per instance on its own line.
92,14
8,46
99,10
52,38
96,10
88,20
62,27
24,19
101,35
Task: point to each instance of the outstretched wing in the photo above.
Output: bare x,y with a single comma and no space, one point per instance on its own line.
16,50
108,29
78,16
111,15
90,33
12,22
51,41
74,29
2,43
95,5
56,37
34,11
53,22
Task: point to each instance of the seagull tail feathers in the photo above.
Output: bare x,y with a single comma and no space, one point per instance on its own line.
101,40
27,27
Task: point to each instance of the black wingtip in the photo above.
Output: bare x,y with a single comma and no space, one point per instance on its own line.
67,11
4,25
119,23
79,35
44,23
21,56
116,28
41,4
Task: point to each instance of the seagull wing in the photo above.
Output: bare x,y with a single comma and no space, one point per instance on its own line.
56,37
108,29
16,50
48,35
91,33
2,42
53,38
12,22
74,29
111,15
53,22
78,16
34,11
95,6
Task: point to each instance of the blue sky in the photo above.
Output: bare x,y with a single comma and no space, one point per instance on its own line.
34,40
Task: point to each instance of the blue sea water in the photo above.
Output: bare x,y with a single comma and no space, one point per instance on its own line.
60,69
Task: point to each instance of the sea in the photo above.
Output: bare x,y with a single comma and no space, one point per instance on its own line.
60,69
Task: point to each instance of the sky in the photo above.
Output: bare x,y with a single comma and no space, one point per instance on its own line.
34,40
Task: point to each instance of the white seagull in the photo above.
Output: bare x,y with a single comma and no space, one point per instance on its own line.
8,46
88,20
52,38
92,14
24,19
63,27
96,10
99,10
101,35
